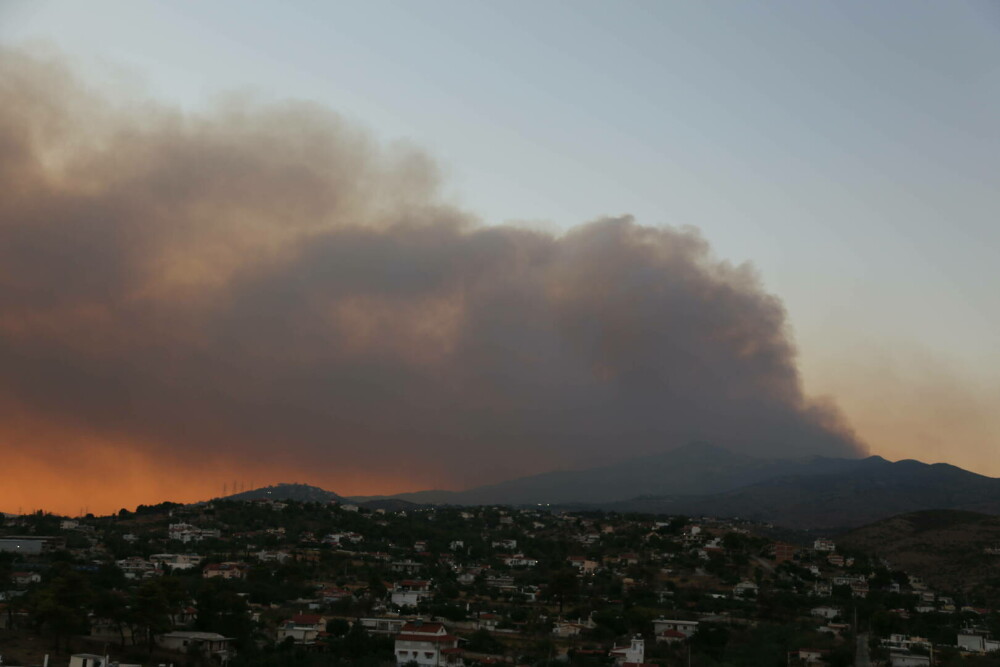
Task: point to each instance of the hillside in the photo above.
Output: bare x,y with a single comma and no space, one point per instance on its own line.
298,492
946,548
694,469
854,495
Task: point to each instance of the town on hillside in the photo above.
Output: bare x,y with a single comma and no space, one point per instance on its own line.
279,583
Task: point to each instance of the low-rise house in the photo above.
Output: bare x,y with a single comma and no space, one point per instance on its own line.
810,655
303,629
583,564
686,628
225,571
176,561
825,612
825,545
406,566
25,578
383,625
519,560
977,643
185,532
907,659
633,654
423,643
209,644
410,592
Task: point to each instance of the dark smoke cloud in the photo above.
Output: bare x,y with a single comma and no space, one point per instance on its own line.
265,282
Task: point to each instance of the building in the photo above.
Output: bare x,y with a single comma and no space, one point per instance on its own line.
633,654
209,644
383,625
32,545
303,629
977,643
822,544
225,571
663,625
424,643
410,592
87,660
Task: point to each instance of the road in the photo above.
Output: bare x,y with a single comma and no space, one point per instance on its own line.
861,657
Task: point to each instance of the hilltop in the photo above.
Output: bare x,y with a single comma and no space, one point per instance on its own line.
285,491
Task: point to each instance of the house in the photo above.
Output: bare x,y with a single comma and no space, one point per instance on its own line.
176,561
825,612
405,566
582,564
185,532
686,628
410,592
633,654
488,621
209,644
303,629
519,560
423,643
25,578
225,571
822,544
383,625
135,567
977,643
88,660
822,589
567,629
333,594
907,659
810,655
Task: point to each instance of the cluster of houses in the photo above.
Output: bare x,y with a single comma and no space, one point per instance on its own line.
493,570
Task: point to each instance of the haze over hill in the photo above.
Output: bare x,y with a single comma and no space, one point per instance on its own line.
813,492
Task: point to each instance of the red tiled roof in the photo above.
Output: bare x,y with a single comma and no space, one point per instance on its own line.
434,639
430,628
307,619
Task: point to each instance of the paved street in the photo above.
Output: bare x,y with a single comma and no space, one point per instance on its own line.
861,657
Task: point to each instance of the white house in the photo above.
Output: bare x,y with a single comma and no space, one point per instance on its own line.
825,612
686,628
425,643
303,629
977,643
410,592
822,544
209,644
633,654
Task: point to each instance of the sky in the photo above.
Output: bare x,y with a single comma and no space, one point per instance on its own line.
819,178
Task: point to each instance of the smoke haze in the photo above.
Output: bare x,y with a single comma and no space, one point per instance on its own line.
262,290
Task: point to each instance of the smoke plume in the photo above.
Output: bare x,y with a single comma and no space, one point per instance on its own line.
263,288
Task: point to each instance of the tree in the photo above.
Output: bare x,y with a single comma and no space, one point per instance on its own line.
149,612
563,586
59,607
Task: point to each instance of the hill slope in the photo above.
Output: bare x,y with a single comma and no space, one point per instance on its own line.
694,469
298,492
843,497
946,548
